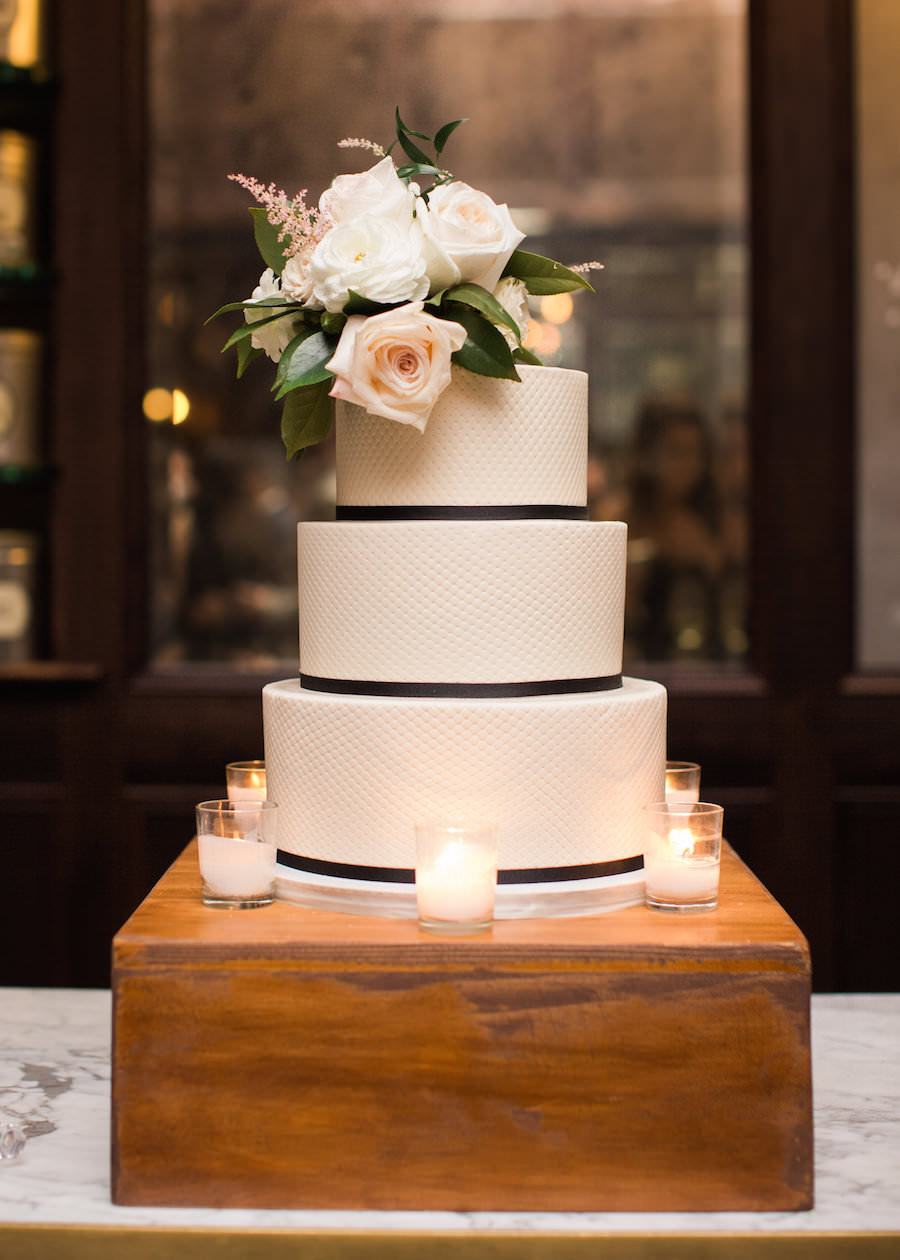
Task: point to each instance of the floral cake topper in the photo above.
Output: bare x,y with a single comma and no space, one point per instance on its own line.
370,295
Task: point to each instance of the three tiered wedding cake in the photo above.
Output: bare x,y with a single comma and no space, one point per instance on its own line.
461,620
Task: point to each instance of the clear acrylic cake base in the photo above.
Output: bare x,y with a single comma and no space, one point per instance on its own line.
562,899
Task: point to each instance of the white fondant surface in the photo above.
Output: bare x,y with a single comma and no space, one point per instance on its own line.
487,442
563,777
55,1084
461,601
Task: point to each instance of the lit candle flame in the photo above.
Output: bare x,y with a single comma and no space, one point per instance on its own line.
681,841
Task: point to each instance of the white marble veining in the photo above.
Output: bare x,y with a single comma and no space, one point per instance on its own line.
54,1084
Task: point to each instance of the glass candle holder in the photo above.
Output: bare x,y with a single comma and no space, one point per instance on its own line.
682,854
682,782
246,780
236,845
456,876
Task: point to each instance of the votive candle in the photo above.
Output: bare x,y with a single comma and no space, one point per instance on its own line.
682,782
236,851
682,854
456,876
246,780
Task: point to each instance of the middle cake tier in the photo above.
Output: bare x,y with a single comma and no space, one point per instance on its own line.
410,606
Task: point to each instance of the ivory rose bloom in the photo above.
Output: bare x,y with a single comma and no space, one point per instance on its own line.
373,257
467,236
272,337
513,297
378,191
296,280
395,364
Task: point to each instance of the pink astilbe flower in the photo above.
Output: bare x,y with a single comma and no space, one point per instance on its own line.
354,142
301,227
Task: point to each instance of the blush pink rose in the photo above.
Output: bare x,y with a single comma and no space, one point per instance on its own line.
395,364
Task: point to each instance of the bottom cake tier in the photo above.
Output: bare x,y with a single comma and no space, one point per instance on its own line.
564,778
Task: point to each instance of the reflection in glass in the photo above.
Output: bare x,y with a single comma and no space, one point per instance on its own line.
878,288
614,132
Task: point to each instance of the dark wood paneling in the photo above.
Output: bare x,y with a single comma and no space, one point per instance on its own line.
36,910
801,424
868,922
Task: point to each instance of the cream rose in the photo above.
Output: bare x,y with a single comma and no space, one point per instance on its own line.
379,192
395,364
271,337
374,257
296,280
467,236
513,297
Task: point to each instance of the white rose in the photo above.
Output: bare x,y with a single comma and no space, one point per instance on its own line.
468,237
513,297
272,337
296,281
379,191
374,257
395,364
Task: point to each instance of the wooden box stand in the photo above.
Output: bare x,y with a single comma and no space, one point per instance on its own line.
291,1058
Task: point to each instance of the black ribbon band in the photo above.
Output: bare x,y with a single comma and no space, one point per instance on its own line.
404,875
475,512
460,691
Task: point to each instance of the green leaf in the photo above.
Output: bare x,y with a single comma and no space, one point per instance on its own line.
521,355
412,151
444,134
267,241
476,296
245,356
543,276
418,168
356,304
276,300
402,127
484,351
306,418
303,362
284,363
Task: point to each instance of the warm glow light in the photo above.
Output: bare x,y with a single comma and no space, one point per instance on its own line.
543,339
180,406
556,308
681,841
158,405
532,335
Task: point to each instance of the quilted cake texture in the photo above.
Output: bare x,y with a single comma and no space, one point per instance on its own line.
564,777
462,601
487,442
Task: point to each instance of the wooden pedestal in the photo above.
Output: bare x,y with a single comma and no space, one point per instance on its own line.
291,1058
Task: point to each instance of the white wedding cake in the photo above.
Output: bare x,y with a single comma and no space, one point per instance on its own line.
461,630
461,620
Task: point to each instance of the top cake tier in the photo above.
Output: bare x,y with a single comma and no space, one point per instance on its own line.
488,443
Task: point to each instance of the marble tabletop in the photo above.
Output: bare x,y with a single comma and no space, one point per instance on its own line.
55,1086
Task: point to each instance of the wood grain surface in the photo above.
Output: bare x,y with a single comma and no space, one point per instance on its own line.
285,1057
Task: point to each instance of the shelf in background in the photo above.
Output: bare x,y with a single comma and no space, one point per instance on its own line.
49,673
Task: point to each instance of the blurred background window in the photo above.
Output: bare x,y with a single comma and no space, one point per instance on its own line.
614,129
878,306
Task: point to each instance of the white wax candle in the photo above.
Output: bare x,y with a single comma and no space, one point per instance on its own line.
682,879
235,868
458,886
253,790
682,796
